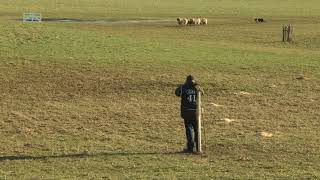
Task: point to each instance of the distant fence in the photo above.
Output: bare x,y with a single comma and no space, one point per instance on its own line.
32,17
287,33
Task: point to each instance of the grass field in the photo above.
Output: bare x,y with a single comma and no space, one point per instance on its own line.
96,100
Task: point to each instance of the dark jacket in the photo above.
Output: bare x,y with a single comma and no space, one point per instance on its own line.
189,96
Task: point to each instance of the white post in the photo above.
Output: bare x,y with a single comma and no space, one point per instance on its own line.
199,122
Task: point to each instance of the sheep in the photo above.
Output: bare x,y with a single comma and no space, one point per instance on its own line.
182,21
192,21
185,21
179,20
197,21
204,21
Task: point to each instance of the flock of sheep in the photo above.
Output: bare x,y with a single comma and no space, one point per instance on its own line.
192,21
204,21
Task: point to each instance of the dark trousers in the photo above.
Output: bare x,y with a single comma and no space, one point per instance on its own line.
190,123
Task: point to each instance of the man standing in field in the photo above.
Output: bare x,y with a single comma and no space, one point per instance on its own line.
189,96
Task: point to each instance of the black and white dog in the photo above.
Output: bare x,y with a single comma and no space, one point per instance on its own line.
258,20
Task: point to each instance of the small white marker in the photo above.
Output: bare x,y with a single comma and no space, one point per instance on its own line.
228,120
215,105
266,134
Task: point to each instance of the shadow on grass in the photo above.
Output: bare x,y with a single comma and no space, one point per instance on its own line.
84,155
109,20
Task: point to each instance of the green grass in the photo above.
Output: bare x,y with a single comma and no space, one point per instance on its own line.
94,100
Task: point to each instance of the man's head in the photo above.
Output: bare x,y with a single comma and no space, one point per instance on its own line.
190,80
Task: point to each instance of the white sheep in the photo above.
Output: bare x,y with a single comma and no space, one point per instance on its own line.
185,21
197,21
204,21
182,21
179,20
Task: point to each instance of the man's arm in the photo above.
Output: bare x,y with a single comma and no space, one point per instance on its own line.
178,91
200,89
